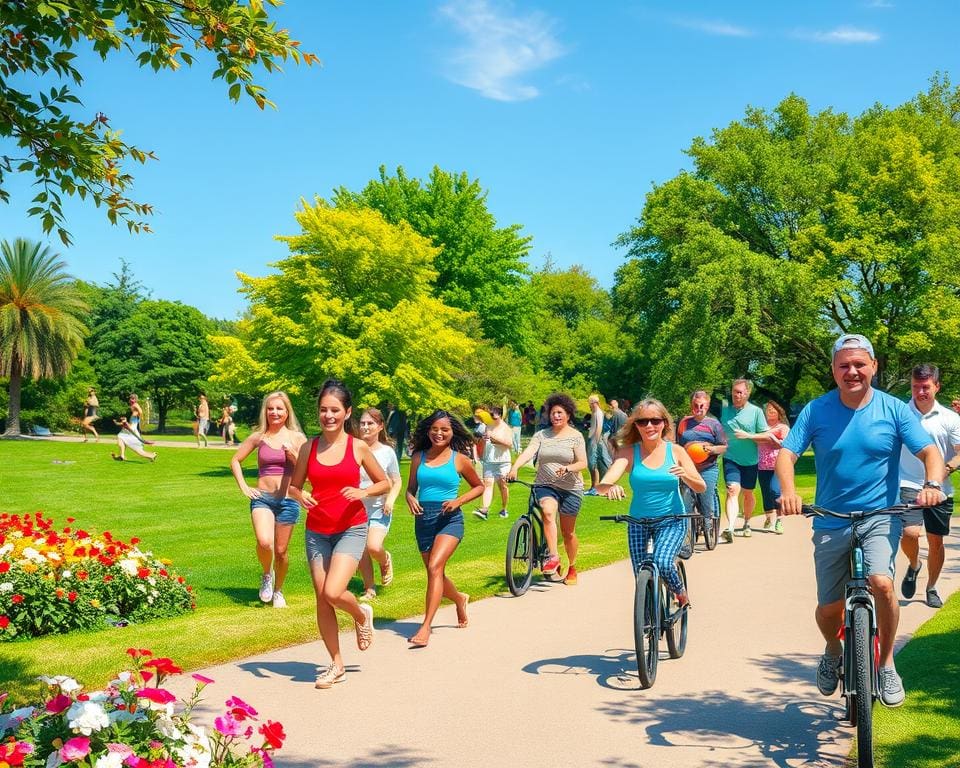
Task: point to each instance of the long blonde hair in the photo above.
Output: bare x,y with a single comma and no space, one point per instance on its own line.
628,435
291,423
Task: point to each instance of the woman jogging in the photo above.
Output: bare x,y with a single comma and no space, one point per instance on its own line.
128,437
655,466
336,520
277,441
768,450
561,456
91,412
438,461
379,508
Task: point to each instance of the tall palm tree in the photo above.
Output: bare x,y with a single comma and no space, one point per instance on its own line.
40,327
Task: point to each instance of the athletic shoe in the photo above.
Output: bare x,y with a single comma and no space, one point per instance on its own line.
386,571
767,524
504,514
481,513
828,674
571,578
727,535
778,527
747,533
891,687
330,676
909,584
550,567
592,492
933,598
266,588
278,599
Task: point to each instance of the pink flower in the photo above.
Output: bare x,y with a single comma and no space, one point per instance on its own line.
264,756
156,695
58,704
227,725
240,709
201,678
75,749
120,749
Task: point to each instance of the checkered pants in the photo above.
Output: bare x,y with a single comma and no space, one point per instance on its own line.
668,536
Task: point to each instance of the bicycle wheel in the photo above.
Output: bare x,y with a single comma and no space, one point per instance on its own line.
862,677
674,621
519,560
646,627
711,524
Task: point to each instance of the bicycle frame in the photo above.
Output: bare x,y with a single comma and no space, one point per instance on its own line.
857,592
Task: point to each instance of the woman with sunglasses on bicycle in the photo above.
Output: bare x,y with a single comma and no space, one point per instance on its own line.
655,467
438,461
561,454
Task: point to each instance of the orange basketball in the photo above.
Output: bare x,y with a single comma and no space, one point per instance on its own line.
697,452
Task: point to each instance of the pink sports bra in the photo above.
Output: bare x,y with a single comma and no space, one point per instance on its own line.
272,461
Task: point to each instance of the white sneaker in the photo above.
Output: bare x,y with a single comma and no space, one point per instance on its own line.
278,599
266,588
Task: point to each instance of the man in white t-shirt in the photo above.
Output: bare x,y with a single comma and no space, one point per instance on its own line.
598,455
943,426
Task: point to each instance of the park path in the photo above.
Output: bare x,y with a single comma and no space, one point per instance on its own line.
550,678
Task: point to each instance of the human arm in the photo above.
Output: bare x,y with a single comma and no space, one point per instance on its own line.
579,459
467,472
379,485
413,486
622,462
685,470
245,449
525,455
790,500
933,471
295,489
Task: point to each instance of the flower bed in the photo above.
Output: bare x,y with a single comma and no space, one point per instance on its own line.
133,723
53,582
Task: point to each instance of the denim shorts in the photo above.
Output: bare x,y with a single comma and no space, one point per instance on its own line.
879,540
744,475
323,546
496,469
285,510
568,502
432,523
377,519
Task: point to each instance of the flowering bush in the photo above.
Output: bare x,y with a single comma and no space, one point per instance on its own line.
58,581
133,723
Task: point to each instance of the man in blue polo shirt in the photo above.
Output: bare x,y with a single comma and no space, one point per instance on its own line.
857,432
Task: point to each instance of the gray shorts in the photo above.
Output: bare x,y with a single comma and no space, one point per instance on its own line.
496,469
879,539
323,546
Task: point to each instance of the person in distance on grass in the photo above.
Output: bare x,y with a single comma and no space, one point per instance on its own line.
495,458
700,433
745,426
379,508
438,461
768,451
943,426
128,437
203,419
654,465
136,414
561,454
277,441
336,519
91,412
857,432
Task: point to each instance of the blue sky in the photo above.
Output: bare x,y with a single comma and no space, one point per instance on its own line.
567,113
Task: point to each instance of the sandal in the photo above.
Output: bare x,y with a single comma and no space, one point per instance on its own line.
365,630
386,571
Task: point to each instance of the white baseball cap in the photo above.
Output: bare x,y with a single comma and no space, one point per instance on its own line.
853,341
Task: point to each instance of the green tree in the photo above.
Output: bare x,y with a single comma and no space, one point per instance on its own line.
40,327
354,301
73,155
480,267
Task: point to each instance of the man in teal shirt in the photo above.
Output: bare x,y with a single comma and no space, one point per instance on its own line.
745,426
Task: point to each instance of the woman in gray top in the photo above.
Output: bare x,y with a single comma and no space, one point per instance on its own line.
561,456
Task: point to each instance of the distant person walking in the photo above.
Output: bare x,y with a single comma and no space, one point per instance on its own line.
745,426
228,429
128,437
336,520
495,459
515,422
768,450
203,419
438,460
395,422
617,419
379,508
136,414
91,413
703,437
598,453
277,441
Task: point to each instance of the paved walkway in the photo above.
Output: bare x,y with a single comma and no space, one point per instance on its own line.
550,678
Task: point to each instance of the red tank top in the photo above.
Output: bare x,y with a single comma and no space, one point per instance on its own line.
333,513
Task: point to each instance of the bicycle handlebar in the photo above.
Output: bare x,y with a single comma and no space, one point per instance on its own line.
812,510
641,520
529,485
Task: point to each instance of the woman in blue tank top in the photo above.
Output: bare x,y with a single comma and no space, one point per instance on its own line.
437,462
655,471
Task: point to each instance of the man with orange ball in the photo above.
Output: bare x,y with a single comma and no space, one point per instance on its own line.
704,440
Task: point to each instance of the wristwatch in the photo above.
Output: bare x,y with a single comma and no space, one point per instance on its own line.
932,484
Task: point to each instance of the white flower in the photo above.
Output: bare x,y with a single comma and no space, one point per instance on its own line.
168,728
150,600
110,760
195,751
141,588
66,574
54,556
12,720
31,554
128,566
151,581
7,586
87,717
6,549
67,684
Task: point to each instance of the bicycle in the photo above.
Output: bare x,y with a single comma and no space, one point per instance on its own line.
656,611
699,524
526,545
859,678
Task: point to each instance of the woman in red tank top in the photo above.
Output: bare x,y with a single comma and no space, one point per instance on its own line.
336,520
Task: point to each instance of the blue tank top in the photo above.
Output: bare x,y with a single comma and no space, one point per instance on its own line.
655,491
438,483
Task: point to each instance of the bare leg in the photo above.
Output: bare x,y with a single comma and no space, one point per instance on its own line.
910,544
374,551
549,507
568,526
281,555
829,618
504,492
749,505
935,558
264,528
330,591
439,585
888,615
487,497
732,505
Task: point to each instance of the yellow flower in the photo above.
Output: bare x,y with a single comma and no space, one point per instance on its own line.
29,567
95,603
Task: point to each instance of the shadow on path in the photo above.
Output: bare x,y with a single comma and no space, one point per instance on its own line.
294,671
616,668
388,754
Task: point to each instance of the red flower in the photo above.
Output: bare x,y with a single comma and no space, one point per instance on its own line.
71,519
94,551
80,551
180,579
4,622
58,704
82,575
164,666
156,695
59,592
143,572
273,733
108,577
72,596
82,534
16,599
134,541
4,566
239,709
163,572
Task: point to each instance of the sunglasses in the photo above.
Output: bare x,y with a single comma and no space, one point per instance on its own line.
644,422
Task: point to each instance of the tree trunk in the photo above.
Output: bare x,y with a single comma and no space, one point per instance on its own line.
162,407
13,408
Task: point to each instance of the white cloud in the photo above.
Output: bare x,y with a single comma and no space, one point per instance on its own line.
713,27
842,36
499,49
